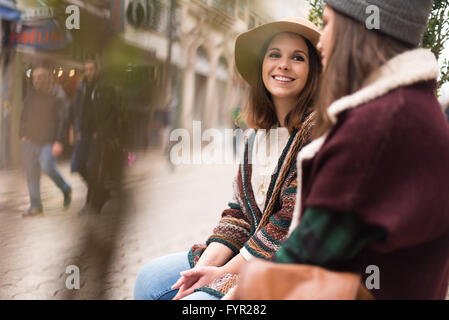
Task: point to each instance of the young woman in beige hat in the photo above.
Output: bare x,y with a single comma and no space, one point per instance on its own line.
280,62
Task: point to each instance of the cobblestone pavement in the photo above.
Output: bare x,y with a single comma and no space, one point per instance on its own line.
169,211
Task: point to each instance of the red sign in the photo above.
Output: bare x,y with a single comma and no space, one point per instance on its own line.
47,37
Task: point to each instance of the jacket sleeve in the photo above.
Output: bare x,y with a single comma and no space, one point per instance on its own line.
75,110
71,115
234,228
266,242
327,239
109,118
63,116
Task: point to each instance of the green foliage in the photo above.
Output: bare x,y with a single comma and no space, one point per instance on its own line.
316,12
437,35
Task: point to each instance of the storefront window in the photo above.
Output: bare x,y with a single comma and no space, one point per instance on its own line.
157,14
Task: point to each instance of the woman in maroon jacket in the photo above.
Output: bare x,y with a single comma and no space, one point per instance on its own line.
373,186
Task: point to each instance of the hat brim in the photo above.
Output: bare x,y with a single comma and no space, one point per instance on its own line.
248,45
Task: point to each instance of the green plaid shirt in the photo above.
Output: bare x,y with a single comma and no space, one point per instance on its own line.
327,238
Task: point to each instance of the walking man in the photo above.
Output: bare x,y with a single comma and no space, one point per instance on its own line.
42,129
94,114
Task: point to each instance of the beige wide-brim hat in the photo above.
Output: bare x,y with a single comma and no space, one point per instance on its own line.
248,45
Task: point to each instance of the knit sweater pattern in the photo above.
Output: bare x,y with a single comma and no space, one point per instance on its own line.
243,226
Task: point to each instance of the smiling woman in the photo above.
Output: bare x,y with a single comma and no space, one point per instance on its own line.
285,70
258,51
280,63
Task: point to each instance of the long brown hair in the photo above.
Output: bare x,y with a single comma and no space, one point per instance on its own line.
357,53
260,112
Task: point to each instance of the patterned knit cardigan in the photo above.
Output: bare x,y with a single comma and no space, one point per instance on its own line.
243,224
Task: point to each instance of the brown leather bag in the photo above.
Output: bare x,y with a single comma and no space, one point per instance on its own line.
262,280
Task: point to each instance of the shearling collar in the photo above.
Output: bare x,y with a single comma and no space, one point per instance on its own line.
405,69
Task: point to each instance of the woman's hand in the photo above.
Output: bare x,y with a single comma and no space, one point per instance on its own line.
202,275
196,278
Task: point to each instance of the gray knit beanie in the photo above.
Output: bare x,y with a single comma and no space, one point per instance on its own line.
405,20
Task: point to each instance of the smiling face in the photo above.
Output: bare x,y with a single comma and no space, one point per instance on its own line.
326,39
285,67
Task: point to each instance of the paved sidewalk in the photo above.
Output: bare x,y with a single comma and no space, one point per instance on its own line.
169,212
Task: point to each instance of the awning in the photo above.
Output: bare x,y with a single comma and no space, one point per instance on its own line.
8,11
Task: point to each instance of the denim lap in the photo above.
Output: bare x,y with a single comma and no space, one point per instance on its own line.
200,295
156,278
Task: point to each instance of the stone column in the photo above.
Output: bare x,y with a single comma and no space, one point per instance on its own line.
188,88
211,103
232,94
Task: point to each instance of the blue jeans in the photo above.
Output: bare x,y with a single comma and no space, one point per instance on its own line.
156,278
37,158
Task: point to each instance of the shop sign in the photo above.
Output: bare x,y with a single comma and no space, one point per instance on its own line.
48,36
30,14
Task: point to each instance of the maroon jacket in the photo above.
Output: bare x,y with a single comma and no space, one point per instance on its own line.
387,160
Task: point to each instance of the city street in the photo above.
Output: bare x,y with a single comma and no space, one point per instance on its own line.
168,212
108,76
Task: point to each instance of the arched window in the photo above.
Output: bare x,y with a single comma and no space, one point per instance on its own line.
221,100
151,14
137,13
156,15
222,70
202,64
202,71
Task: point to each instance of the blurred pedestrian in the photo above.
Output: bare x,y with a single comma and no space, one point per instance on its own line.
238,123
282,66
60,93
373,185
42,127
167,119
95,118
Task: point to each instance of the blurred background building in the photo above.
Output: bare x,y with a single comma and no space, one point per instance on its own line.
38,36
194,53
171,60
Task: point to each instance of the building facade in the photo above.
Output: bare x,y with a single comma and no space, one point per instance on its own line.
200,50
167,54
39,35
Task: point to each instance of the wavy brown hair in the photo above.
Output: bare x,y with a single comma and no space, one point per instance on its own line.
260,112
357,53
